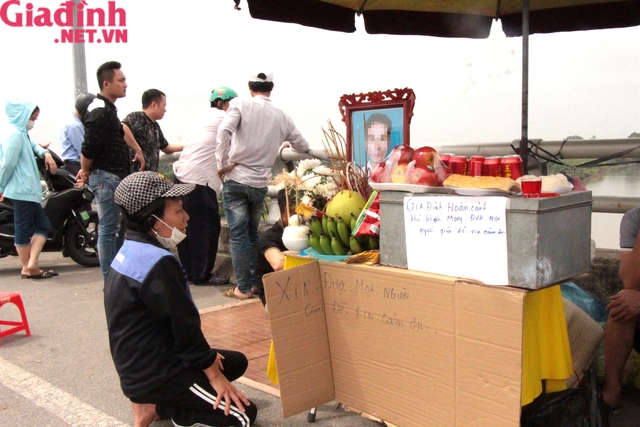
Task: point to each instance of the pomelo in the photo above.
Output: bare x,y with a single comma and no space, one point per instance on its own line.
344,204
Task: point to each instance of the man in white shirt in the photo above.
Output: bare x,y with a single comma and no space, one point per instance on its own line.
249,138
197,165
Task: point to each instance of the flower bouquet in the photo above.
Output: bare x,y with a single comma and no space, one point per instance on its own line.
329,199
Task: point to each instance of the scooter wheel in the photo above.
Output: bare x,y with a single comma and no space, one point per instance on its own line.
81,249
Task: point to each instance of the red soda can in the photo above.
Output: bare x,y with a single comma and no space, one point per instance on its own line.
459,165
511,166
445,158
475,165
491,166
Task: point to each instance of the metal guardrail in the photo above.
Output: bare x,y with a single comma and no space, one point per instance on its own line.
564,149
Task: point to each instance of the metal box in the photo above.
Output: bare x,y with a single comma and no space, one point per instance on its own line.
548,239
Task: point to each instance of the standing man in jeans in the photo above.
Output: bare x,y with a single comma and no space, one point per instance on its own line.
105,158
249,138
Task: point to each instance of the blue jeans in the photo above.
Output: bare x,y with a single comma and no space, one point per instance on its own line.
243,207
110,233
29,219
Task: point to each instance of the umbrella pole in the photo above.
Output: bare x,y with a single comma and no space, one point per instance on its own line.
524,137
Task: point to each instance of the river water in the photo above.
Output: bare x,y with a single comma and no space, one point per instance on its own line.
619,182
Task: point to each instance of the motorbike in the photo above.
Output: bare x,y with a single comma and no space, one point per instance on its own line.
74,224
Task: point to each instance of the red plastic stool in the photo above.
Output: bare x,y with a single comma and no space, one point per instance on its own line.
23,325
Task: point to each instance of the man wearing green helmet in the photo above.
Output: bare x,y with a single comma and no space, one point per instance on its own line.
197,165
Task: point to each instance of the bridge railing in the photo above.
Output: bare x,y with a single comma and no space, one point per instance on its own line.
562,149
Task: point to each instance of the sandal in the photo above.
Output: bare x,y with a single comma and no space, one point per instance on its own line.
231,294
44,275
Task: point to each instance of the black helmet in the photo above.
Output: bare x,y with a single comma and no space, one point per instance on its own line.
82,102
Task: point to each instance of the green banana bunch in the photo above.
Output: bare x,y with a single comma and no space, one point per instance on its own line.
325,244
337,247
316,227
373,242
314,242
332,226
325,222
343,231
354,245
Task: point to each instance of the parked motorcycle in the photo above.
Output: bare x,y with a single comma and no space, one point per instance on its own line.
74,224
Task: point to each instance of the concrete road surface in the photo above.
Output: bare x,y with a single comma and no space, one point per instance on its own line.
63,374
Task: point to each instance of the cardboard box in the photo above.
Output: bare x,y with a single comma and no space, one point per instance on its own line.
548,240
411,348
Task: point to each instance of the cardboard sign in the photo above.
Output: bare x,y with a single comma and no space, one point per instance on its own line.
411,348
458,236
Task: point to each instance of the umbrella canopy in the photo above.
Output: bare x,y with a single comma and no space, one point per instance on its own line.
456,18
453,18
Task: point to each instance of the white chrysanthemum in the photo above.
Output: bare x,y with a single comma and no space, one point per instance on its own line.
306,199
326,191
307,166
311,182
323,170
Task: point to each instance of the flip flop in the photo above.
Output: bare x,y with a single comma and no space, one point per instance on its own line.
229,293
51,272
44,275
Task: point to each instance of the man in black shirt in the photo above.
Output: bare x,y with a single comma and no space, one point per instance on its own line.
270,249
144,128
105,158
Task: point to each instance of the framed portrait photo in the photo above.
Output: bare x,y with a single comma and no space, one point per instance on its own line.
376,122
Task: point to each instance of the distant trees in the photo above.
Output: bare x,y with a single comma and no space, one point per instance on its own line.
634,135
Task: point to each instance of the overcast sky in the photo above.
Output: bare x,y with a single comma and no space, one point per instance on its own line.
467,91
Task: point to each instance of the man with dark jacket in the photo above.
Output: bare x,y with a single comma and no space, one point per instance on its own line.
105,157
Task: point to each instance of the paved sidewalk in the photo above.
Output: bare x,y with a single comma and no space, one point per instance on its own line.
63,374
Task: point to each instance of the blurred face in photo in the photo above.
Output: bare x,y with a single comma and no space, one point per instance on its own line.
377,142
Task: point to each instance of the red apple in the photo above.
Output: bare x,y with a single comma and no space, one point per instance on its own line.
442,171
399,174
424,156
380,173
400,154
423,175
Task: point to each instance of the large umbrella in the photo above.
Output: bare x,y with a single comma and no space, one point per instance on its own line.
456,18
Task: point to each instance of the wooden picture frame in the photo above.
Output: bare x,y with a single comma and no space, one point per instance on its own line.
396,105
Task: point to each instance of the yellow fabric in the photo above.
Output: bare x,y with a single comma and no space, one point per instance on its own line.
272,368
546,351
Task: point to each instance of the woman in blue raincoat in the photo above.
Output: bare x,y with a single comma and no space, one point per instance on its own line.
20,183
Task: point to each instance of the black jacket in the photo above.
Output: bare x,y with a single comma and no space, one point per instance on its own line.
104,138
154,325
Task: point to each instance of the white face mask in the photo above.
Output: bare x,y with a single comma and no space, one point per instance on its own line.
30,124
170,243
